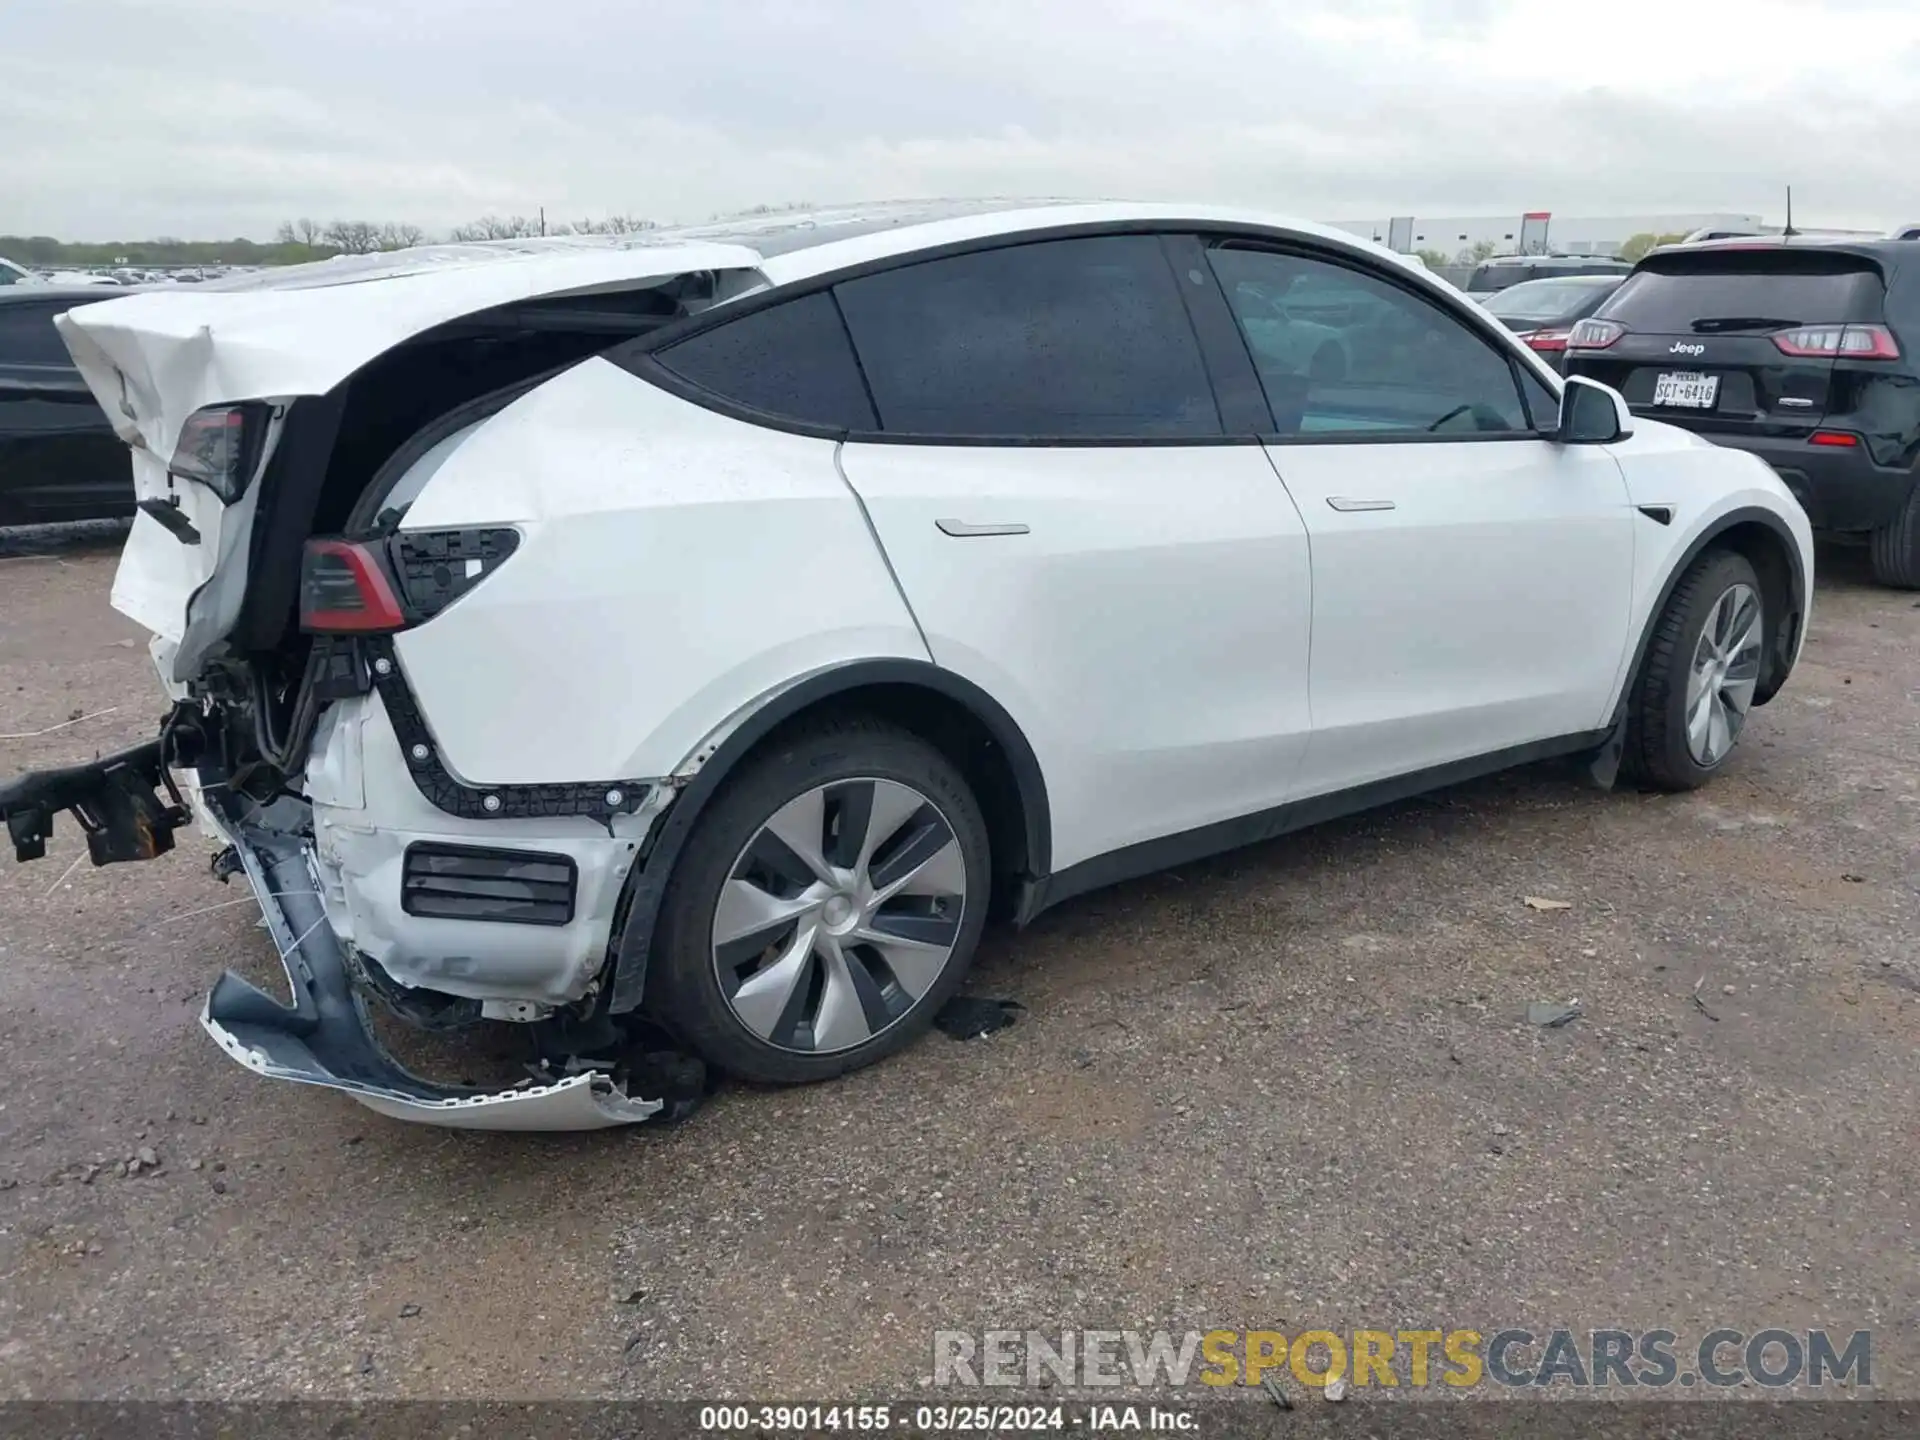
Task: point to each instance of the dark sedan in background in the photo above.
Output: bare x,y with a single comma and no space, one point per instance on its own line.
59,458
1544,312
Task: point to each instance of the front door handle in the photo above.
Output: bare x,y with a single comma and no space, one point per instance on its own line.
961,530
1345,504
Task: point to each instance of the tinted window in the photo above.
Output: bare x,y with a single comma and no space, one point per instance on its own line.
790,360
1490,278
27,336
1670,297
1057,340
1342,352
1549,299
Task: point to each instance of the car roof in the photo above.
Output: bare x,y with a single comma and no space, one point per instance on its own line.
1563,280
1879,249
1539,260
786,245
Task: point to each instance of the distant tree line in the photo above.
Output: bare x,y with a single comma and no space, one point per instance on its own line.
296,241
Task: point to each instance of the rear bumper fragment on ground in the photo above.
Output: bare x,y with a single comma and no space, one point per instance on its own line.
324,1039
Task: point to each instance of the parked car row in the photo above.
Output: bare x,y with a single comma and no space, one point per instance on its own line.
1800,351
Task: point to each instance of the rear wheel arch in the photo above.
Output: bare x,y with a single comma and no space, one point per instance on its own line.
952,714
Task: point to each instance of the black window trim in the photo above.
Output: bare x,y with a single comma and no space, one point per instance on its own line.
1480,325
637,355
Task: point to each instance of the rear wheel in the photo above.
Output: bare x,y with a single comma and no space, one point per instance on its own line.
828,903
1896,547
1697,680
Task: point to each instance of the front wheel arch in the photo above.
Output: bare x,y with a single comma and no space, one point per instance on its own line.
1763,538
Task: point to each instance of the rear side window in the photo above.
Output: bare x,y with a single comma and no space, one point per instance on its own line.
27,336
1062,339
791,362
1742,291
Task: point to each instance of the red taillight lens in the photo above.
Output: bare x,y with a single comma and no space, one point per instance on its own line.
344,589
218,447
1594,334
1839,342
1838,439
1548,342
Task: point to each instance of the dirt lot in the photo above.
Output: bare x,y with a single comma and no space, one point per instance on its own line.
1292,1088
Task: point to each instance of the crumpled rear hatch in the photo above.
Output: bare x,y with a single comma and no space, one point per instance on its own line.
155,359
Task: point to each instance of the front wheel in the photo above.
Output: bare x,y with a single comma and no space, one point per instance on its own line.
1697,680
827,905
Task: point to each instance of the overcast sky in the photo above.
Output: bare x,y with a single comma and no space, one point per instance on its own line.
214,118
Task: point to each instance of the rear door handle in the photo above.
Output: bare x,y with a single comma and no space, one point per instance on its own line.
961,530
1344,503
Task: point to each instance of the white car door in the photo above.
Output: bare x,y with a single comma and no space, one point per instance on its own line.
1471,579
1075,532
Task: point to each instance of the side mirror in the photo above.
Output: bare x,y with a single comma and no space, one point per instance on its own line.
1592,414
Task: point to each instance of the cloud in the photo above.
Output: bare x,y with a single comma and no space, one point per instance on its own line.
220,117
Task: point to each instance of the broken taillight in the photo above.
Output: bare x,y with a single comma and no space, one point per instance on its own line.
219,447
345,589
373,586
1548,342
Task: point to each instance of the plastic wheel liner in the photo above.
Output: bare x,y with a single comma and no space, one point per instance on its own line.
323,1037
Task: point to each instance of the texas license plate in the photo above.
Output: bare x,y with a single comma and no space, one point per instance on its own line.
1687,389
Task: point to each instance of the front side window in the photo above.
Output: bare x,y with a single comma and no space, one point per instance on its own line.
1053,340
1343,352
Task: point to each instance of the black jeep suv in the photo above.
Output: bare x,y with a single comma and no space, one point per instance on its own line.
1806,352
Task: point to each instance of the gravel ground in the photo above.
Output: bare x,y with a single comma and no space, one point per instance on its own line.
1294,1088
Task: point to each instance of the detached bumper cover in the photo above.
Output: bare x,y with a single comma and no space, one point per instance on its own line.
323,1038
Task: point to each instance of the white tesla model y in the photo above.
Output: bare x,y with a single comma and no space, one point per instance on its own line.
685,643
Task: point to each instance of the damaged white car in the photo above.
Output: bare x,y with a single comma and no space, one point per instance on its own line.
682,644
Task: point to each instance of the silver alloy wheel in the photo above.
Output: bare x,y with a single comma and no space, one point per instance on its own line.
1721,679
839,914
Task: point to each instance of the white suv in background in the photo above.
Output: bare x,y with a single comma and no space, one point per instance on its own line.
688,641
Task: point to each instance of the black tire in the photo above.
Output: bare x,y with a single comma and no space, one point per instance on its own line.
1656,750
683,987
1895,547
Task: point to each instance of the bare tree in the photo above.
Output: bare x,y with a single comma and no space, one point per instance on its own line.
395,236
496,227
353,237
301,232
611,225
786,207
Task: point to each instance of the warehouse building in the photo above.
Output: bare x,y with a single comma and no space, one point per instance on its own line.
1536,232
